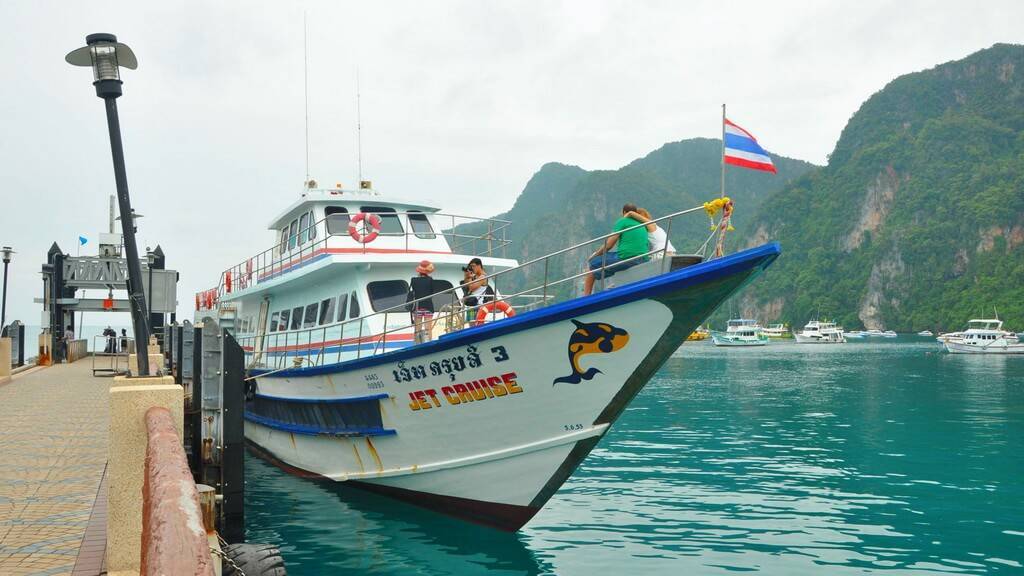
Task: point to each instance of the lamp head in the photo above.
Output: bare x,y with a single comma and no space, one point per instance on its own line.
105,55
6,252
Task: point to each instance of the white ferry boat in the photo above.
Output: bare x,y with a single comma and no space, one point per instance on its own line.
820,332
777,331
486,420
740,332
984,336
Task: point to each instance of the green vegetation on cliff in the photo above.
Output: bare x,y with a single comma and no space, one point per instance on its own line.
918,219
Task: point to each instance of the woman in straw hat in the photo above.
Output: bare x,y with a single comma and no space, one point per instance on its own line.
421,288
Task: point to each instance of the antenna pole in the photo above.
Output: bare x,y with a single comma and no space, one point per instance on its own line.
305,83
359,130
723,151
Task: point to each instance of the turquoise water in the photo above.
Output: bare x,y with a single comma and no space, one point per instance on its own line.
885,456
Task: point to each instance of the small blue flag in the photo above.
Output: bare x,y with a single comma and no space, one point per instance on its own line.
82,240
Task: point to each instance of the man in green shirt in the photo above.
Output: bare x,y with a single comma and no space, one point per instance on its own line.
631,238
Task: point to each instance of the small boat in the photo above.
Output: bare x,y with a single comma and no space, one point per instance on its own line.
777,331
889,334
854,334
925,333
874,333
701,333
984,336
820,332
740,332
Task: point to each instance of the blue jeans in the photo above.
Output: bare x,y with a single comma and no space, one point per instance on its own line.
612,264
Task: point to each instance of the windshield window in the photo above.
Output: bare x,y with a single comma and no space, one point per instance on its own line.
337,220
327,311
389,223
273,321
353,303
445,298
296,318
292,233
309,320
420,225
304,228
387,294
285,315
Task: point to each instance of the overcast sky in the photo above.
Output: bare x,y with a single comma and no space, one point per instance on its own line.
461,102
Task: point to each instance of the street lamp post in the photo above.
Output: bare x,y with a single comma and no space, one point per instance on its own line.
106,55
6,251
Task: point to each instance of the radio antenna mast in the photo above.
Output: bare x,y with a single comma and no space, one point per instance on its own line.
305,84
359,130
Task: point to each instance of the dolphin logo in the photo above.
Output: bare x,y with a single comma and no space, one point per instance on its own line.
592,338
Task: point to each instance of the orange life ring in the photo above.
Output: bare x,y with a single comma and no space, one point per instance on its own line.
501,305
372,219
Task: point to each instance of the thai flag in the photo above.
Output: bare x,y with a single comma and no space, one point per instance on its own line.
742,149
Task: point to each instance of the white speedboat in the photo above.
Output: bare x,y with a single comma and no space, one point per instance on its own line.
925,333
481,411
984,336
820,332
854,334
777,331
740,332
889,334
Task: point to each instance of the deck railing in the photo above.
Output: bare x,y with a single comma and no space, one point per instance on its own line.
282,256
540,281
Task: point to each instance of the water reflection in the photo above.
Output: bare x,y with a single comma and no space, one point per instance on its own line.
325,527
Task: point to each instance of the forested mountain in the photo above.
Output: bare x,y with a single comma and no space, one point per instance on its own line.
917,221
563,205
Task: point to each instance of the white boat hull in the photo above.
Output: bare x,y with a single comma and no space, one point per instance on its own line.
487,423
817,339
997,347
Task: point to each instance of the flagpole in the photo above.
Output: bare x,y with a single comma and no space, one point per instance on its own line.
723,150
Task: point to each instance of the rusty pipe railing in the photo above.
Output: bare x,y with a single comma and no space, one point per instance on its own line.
174,540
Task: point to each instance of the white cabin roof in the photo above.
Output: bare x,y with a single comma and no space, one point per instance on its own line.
342,197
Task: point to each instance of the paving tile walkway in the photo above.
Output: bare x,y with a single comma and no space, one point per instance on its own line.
53,449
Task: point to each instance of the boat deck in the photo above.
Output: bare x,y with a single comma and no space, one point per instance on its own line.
53,444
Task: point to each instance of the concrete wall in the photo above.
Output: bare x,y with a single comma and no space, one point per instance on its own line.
5,360
130,398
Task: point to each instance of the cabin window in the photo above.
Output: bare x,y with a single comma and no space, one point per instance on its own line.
387,294
293,233
284,239
312,225
309,320
296,318
420,225
304,228
445,298
353,306
285,315
326,311
337,220
389,223
342,307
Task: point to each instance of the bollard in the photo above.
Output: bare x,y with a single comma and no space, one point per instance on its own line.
208,502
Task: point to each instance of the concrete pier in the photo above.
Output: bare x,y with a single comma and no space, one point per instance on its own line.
54,430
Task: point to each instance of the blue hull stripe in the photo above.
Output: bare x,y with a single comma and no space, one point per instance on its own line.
325,400
316,430
738,263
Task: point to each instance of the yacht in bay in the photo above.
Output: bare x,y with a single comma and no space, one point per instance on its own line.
820,332
740,332
777,331
983,336
486,416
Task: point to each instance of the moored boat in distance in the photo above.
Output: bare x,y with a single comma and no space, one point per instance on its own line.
777,331
701,333
983,336
740,332
486,416
820,332
853,334
925,333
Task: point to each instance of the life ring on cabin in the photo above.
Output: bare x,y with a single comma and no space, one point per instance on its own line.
374,224
501,306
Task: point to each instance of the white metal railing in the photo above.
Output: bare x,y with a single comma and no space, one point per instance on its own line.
277,259
312,346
